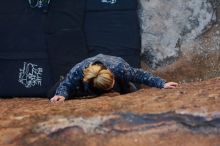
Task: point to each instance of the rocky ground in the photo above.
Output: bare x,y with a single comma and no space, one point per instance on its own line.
186,116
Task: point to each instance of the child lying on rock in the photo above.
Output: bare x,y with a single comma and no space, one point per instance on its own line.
104,73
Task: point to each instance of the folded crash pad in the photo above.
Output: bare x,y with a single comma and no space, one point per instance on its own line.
115,33
39,45
65,35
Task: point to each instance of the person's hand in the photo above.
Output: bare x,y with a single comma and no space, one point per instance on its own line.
170,85
57,98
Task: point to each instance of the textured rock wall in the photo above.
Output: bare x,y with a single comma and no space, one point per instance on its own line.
181,38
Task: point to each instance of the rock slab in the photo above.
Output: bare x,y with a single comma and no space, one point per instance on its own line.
149,116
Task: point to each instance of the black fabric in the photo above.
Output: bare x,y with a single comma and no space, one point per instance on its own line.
12,7
23,52
22,33
66,48
51,39
24,74
65,36
65,14
115,33
103,5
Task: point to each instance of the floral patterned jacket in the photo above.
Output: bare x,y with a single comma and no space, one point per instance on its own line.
119,67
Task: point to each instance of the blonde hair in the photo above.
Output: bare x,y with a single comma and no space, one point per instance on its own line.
99,76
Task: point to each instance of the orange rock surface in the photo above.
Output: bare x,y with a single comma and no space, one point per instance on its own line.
188,116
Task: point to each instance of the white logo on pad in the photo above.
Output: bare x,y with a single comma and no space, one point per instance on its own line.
109,1
30,75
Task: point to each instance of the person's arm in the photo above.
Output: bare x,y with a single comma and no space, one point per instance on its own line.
68,84
146,78
139,76
143,77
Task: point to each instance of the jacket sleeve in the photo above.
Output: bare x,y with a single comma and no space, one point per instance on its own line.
71,82
140,76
